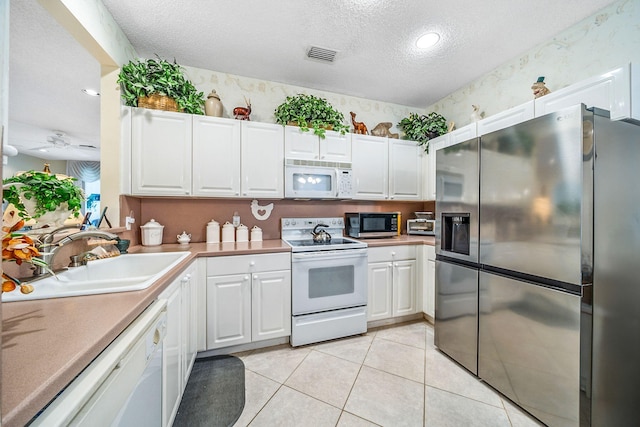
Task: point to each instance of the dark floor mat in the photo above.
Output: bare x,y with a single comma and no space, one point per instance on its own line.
215,393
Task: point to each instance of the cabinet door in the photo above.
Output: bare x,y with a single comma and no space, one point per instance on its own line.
171,360
228,310
405,170
506,118
299,144
335,147
271,305
189,298
404,288
216,157
380,291
262,156
610,91
429,293
160,153
370,157
434,145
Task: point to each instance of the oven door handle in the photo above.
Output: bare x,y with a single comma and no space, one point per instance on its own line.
339,254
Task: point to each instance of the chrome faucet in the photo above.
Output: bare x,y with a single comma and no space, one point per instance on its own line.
46,242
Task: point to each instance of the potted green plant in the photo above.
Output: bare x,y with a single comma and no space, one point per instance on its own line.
145,78
308,111
422,128
43,197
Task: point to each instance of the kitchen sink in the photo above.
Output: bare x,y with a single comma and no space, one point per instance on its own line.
131,272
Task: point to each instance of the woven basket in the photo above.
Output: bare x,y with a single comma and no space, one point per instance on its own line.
158,102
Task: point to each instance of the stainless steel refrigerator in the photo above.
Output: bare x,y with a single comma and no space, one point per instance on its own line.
558,248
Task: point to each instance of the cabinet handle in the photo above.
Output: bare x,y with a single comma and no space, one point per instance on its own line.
390,264
246,277
395,265
252,263
393,254
255,277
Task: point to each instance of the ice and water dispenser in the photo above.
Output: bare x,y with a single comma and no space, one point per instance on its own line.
455,233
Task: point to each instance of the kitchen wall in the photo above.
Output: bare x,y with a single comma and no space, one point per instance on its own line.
192,215
266,95
602,42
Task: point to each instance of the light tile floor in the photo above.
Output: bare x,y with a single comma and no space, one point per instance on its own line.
389,377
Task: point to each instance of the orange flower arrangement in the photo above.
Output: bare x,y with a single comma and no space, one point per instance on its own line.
19,248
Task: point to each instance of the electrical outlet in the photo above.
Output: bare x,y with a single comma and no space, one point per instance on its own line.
128,221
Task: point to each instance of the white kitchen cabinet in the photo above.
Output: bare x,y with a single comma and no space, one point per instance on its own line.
179,343
216,157
386,169
392,281
160,153
405,170
617,91
334,147
430,174
370,157
172,361
248,298
429,281
506,118
262,158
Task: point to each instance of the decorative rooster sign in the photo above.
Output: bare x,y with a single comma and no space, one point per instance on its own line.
358,127
243,113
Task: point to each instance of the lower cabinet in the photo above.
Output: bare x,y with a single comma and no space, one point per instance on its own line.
429,281
248,299
179,342
392,282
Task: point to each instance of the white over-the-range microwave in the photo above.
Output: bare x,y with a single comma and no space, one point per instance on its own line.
308,179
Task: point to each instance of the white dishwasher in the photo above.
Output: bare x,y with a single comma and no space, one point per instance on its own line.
123,385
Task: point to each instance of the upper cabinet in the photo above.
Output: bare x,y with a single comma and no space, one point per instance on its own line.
262,156
160,152
617,91
216,157
506,118
429,176
386,168
334,147
177,154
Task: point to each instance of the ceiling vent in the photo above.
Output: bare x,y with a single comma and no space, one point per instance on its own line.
321,54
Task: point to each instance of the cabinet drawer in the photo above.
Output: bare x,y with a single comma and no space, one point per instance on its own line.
237,264
392,253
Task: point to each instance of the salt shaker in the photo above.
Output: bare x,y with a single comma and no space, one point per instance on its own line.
228,233
256,234
213,232
242,233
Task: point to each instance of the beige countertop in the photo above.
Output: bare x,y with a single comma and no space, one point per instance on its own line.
47,343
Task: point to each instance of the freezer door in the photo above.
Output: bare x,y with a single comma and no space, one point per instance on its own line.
529,347
456,320
457,194
533,197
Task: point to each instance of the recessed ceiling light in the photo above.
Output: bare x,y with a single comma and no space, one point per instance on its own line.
428,40
90,92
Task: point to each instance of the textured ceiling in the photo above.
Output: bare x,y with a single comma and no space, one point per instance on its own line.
376,59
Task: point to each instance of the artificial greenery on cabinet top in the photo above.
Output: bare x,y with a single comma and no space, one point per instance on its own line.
308,111
422,128
146,77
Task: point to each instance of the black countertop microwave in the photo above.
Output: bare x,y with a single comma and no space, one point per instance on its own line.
372,224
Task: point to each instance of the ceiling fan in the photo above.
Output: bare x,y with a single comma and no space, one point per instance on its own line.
58,141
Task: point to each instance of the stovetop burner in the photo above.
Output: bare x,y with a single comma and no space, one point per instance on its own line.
296,232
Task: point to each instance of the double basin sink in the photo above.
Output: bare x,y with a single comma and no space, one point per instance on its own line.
131,272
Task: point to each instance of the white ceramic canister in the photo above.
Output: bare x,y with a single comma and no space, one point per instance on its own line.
152,233
242,233
213,232
228,233
256,234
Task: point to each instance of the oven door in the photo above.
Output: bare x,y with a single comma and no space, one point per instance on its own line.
328,280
